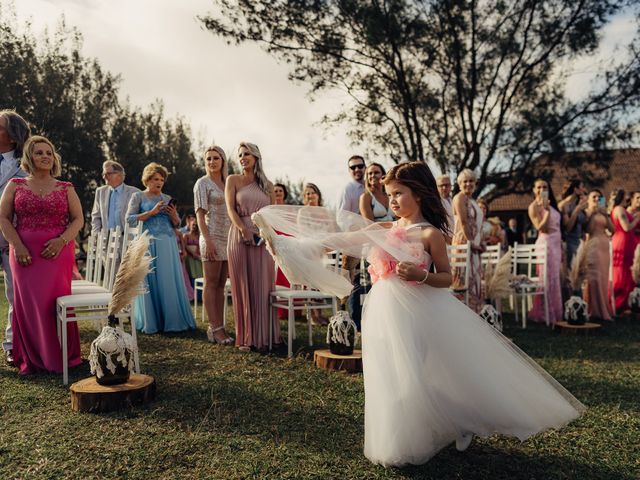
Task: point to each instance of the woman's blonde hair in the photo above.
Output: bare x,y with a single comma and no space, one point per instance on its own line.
151,169
216,148
261,178
466,173
26,163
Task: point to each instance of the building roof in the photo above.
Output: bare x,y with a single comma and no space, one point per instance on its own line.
623,172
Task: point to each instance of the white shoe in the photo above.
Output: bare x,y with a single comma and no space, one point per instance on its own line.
464,441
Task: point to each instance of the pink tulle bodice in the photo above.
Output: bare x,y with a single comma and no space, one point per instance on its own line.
382,264
33,212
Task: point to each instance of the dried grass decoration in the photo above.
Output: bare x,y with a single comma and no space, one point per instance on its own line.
576,310
634,296
112,353
497,285
341,333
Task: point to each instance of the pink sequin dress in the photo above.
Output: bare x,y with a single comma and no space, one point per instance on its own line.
37,286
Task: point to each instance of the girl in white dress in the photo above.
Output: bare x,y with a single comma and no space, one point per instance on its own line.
434,372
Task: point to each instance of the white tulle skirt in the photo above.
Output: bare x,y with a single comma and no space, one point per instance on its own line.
433,370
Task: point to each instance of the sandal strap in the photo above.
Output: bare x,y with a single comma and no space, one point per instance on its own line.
214,330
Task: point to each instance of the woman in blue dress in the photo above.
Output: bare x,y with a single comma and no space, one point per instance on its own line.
164,307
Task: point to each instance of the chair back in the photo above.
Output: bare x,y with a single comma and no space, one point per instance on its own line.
460,257
100,256
491,256
91,257
526,260
130,233
112,258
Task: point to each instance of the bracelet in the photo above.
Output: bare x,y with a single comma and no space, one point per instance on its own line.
426,275
64,240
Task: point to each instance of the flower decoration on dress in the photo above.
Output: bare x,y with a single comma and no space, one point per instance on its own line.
382,264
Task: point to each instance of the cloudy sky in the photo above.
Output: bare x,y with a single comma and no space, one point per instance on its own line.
227,93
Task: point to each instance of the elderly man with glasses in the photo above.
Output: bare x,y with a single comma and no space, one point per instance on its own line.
111,201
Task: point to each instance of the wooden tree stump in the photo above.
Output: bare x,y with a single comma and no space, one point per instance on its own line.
587,328
348,363
89,396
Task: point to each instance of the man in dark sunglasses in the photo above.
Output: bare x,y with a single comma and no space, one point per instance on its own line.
350,195
349,200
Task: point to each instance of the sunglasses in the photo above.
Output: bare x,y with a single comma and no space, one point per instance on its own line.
360,166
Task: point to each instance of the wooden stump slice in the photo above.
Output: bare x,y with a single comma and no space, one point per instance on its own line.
348,363
575,329
89,396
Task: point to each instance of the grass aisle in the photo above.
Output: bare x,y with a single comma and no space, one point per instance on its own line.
224,414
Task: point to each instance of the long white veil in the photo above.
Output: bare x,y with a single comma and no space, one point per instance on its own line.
299,237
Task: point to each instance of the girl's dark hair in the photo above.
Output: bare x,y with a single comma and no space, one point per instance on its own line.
552,197
619,197
315,188
418,177
284,189
570,187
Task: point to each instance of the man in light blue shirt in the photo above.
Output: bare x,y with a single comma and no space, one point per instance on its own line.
14,132
111,201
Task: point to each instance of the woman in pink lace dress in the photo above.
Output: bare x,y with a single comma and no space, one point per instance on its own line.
48,217
251,268
545,217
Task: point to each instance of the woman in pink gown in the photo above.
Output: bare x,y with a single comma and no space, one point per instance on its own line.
597,224
623,244
545,217
48,217
251,268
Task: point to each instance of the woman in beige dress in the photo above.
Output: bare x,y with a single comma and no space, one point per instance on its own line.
251,268
213,223
598,222
468,228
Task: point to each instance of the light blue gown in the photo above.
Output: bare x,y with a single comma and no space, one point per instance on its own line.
165,307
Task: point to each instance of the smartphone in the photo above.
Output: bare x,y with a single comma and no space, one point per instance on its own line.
257,240
173,202
602,202
544,194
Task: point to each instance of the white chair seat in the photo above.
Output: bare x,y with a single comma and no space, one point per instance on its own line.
91,299
87,289
302,294
82,282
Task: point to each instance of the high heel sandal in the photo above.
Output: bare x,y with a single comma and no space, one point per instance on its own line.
212,338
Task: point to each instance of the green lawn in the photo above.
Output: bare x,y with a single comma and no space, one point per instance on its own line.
225,414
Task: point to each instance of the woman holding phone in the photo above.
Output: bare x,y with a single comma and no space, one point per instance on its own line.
165,306
544,215
251,268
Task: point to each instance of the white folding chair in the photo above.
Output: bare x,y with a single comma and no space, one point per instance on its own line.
91,306
490,257
528,259
460,258
198,286
300,298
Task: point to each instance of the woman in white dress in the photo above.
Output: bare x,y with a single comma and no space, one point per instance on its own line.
374,203
434,372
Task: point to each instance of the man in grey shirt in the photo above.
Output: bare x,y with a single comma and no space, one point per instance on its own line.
14,132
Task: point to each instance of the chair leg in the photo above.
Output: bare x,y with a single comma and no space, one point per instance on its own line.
546,308
524,311
195,302
291,328
309,326
65,356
